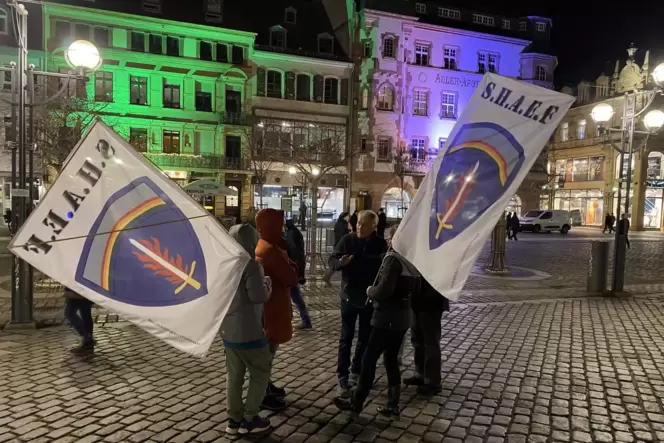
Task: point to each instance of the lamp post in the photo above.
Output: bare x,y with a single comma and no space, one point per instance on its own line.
653,121
83,57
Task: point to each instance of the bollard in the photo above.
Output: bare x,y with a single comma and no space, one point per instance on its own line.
598,267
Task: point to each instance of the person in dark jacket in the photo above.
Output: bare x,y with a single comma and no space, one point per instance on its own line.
427,307
397,281
358,256
508,225
340,229
623,228
353,221
514,226
382,223
78,312
296,253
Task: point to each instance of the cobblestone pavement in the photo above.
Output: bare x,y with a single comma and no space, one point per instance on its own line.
587,370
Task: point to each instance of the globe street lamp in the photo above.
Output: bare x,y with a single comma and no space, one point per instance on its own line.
653,121
83,55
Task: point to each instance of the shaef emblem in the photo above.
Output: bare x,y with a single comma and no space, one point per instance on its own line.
480,165
143,251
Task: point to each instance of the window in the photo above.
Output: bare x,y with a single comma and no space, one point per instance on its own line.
493,63
290,16
368,49
384,149
448,105
205,51
171,142
441,144
222,52
449,13
483,19
3,21
7,80
417,149
450,58
581,130
420,8
386,98
523,25
325,44
422,54
152,5
389,47
138,138
507,24
101,37
364,102
156,44
81,31
303,87
564,132
273,84
214,8
138,90
278,38
171,95
363,144
62,31
238,55
137,41
104,86
481,62
541,27
420,102
173,46
540,73
203,101
331,91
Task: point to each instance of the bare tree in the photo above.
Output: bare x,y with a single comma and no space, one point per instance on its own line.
262,160
401,164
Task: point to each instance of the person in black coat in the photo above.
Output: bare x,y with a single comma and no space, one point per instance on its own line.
353,221
295,241
623,228
514,226
382,223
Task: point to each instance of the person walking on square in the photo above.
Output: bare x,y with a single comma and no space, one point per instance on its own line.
78,312
382,223
514,226
245,344
271,253
612,225
296,253
623,228
358,256
397,281
508,225
607,223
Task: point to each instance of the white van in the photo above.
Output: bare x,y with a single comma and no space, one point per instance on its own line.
543,220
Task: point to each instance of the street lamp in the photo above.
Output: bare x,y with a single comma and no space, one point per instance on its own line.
83,57
315,172
653,121
292,170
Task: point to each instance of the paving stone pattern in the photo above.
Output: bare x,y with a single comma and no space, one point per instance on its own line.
587,370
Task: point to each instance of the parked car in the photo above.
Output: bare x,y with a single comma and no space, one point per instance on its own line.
543,220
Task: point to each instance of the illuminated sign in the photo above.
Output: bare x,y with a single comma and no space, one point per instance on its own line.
450,81
177,175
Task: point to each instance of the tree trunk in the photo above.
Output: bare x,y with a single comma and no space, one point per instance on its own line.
313,250
260,194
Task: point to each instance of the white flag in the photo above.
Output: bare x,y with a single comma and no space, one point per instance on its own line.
488,154
118,231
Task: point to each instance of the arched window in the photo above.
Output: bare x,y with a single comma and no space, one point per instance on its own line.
386,98
389,47
514,205
540,73
365,99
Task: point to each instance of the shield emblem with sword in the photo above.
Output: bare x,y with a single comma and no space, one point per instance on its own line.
478,168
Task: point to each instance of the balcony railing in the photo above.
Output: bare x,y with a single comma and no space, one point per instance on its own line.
185,161
417,166
236,118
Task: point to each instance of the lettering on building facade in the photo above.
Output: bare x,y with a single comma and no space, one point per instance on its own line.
450,81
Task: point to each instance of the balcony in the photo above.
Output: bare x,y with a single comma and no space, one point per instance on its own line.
236,118
189,161
417,166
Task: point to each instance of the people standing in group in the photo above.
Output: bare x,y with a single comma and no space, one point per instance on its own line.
623,228
271,253
245,344
514,226
353,221
358,256
508,225
295,242
78,312
382,223
397,282
341,228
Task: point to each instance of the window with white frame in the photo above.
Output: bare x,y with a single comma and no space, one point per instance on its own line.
386,98
368,49
441,143
483,19
420,102
540,73
278,37
493,62
325,44
290,16
523,25
581,130
481,62
420,8
448,105
564,132
540,26
450,60
422,54
449,13
389,47
384,149
507,24
417,150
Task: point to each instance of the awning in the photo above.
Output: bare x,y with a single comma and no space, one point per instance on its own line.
206,187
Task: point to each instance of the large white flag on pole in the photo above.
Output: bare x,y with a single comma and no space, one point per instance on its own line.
118,231
488,154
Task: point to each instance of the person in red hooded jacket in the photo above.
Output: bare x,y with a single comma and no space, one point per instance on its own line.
271,252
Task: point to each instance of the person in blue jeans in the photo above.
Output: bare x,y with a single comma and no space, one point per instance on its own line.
296,253
78,311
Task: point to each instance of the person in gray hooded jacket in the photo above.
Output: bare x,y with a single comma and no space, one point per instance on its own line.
245,344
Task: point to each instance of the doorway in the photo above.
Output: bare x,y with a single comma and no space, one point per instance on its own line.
234,204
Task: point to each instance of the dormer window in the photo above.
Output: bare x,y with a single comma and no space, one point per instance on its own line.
541,27
152,6
420,8
325,44
290,16
278,37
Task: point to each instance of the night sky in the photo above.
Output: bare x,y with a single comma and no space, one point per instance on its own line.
589,35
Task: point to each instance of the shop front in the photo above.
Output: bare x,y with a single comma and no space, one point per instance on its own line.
586,204
329,200
396,202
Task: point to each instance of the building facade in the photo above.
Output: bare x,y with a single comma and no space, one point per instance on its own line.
584,164
421,63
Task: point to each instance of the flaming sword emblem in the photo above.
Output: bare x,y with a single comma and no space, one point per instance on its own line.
452,206
172,269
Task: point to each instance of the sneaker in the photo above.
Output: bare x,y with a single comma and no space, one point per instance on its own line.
388,412
84,348
305,324
413,381
354,379
233,426
273,403
255,425
429,390
272,389
346,404
344,389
